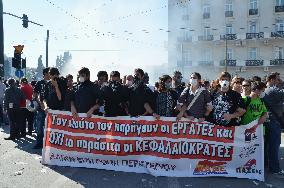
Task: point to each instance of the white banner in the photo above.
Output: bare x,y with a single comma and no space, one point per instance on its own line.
158,147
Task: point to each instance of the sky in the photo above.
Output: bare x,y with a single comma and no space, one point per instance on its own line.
123,35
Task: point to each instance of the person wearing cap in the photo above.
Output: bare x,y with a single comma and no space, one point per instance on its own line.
114,96
26,115
228,105
85,96
12,97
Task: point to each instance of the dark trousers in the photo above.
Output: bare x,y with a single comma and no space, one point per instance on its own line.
40,123
26,116
15,122
274,142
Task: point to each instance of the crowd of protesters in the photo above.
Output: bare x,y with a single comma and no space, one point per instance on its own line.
225,101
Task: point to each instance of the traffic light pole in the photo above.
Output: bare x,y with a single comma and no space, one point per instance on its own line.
1,41
47,40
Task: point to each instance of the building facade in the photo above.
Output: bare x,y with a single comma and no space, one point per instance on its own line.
246,37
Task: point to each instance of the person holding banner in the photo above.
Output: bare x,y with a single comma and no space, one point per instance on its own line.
255,107
274,99
195,100
86,95
140,97
228,105
165,97
114,96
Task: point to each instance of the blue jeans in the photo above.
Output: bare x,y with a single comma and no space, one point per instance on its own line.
274,142
40,123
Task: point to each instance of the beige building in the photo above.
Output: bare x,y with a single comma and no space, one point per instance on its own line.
249,34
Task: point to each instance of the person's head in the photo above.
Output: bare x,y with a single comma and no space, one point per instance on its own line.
102,77
165,83
257,88
24,81
272,80
237,86
12,82
146,78
278,79
138,75
224,81
195,79
256,79
206,84
177,78
115,76
83,74
45,73
129,80
69,79
246,86
53,73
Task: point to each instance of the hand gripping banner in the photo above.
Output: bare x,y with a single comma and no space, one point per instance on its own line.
162,147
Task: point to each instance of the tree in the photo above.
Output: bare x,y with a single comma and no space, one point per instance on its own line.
39,68
63,61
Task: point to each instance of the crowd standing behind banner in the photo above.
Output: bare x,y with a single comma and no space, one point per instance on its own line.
224,101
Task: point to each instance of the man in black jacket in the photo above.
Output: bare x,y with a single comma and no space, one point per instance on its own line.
86,95
12,98
114,96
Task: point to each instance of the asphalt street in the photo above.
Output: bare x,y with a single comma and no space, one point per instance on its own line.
20,166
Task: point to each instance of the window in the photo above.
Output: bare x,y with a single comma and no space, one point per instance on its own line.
186,36
279,53
279,26
252,53
186,57
229,5
207,55
252,27
253,4
206,31
230,54
229,29
279,2
206,9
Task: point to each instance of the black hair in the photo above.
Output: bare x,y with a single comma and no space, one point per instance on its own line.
102,73
272,77
140,71
115,74
24,80
197,74
11,82
257,86
69,76
225,75
54,71
84,70
45,71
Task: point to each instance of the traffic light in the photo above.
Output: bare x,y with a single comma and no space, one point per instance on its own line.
16,63
24,63
17,60
25,21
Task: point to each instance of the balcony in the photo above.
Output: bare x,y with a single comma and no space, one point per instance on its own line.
277,62
279,8
229,14
253,12
206,63
206,38
255,35
254,63
228,37
184,63
230,63
277,34
206,15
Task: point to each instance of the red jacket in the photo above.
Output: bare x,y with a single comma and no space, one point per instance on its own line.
28,91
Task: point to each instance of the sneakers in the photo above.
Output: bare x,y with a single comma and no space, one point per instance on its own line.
280,173
10,138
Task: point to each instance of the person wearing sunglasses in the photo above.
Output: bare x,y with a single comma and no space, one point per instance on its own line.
246,88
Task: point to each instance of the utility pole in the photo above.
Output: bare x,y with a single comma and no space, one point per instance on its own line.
1,41
47,39
226,60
